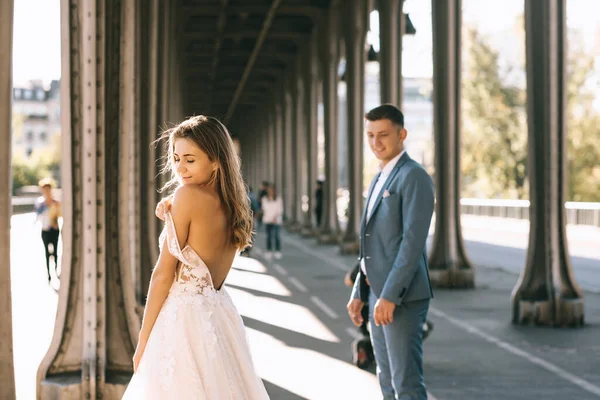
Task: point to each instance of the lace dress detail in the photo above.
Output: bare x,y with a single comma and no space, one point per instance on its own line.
197,348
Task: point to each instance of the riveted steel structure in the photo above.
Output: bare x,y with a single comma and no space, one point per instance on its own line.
448,263
547,292
7,376
261,66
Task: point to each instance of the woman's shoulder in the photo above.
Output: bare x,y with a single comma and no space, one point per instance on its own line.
191,197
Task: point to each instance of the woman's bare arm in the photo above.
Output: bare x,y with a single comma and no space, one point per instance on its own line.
164,272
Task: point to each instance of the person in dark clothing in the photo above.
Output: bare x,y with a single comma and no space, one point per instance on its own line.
254,207
362,348
262,192
319,202
47,210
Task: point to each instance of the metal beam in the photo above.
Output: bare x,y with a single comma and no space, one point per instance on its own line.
257,46
247,34
254,96
203,11
284,57
239,70
192,66
218,42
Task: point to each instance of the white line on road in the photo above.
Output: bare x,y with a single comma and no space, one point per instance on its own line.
298,284
352,332
324,307
316,254
280,269
430,396
582,383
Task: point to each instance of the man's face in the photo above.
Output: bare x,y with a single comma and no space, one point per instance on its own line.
47,191
386,139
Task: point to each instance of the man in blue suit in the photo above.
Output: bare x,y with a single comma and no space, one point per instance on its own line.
393,276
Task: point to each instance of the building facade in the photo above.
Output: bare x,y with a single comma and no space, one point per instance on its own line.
36,118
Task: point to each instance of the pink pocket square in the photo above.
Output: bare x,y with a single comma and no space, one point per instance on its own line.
386,194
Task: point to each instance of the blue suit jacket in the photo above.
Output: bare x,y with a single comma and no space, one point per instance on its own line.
392,242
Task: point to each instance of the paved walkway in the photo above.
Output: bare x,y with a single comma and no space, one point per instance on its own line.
300,335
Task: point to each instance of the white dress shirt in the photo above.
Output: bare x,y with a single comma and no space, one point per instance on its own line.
385,173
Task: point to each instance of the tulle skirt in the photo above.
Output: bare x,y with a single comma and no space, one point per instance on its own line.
197,350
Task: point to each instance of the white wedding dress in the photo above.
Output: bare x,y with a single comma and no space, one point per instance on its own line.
197,348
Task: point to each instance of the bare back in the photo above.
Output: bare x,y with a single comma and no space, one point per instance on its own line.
210,235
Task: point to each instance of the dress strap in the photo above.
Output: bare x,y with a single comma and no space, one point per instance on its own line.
172,241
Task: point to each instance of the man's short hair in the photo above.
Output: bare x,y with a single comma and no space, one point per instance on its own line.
386,111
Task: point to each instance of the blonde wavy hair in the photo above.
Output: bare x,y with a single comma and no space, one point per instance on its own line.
212,137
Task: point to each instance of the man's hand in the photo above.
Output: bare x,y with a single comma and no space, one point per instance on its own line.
383,313
162,207
354,310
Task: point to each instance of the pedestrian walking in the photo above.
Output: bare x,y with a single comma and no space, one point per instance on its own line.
47,210
272,208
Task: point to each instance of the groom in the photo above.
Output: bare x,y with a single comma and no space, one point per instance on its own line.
393,276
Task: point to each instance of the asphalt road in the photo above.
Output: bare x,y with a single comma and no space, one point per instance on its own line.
294,310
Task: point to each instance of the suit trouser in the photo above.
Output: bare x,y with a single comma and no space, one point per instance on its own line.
399,350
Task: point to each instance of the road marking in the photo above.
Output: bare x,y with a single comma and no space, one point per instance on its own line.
352,332
582,383
306,249
324,307
280,269
298,284
318,302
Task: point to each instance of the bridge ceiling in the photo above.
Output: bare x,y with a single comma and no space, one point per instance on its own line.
233,51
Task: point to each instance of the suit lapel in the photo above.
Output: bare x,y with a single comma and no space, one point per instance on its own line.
387,183
366,210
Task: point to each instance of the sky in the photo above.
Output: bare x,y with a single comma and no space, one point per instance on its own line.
36,40
36,45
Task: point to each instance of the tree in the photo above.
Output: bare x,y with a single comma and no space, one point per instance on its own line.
583,128
494,130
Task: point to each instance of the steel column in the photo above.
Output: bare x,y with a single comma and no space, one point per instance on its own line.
7,377
329,58
391,32
96,325
448,263
288,184
547,293
356,15
311,79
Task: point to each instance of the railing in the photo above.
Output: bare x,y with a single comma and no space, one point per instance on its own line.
578,213
22,205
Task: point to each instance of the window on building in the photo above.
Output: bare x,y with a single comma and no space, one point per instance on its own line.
29,136
17,93
43,136
27,94
40,94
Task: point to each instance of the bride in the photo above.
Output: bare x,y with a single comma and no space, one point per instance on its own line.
192,343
